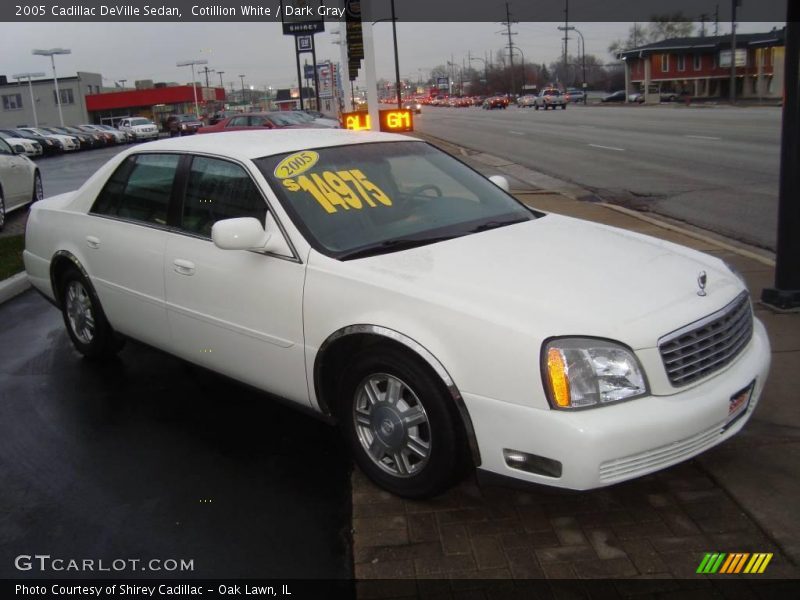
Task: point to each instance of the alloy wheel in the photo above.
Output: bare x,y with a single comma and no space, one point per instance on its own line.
392,425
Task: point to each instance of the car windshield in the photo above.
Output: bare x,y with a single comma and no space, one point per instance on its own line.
366,199
186,118
139,122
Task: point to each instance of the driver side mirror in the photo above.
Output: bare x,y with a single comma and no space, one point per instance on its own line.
500,182
242,233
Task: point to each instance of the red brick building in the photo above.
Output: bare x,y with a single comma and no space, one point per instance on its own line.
700,67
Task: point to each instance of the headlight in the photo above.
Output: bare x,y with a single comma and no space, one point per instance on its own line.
587,372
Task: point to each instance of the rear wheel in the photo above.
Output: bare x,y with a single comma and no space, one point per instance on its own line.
2,210
86,323
400,424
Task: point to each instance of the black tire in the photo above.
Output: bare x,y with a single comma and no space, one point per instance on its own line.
564,106
384,425
2,210
84,318
38,190
536,107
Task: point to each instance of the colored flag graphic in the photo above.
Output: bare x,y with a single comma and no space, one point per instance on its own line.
734,562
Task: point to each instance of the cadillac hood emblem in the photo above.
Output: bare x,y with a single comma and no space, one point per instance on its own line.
701,283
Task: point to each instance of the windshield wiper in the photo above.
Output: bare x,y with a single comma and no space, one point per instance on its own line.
394,245
495,224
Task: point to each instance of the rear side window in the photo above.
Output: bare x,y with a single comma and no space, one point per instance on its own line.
140,189
216,190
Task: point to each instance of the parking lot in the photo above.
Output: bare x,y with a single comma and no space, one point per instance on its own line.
149,457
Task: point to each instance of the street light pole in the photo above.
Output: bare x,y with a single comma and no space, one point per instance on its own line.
51,53
396,59
192,63
396,56
732,93
581,50
19,76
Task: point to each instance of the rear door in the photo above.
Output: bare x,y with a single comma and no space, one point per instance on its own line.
14,177
124,242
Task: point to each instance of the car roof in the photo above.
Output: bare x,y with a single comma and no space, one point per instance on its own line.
255,144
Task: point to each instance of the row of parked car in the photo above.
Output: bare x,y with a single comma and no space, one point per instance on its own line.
47,141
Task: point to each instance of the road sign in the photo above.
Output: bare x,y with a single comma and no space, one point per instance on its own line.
299,17
443,83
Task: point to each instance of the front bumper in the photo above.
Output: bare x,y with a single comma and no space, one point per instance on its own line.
138,136
606,445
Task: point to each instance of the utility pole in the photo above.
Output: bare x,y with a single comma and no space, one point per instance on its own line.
206,70
242,78
703,19
734,4
510,45
566,38
716,21
220,73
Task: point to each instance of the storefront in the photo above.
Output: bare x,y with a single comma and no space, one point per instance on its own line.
153,103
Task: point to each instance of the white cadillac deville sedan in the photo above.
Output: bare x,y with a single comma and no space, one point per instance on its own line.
381,283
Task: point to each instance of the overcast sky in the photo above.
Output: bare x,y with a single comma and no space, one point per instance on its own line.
134,51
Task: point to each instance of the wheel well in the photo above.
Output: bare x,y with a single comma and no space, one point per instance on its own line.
334,356
331,363
60,264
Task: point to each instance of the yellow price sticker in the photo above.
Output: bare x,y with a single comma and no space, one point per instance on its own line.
296,163
339,190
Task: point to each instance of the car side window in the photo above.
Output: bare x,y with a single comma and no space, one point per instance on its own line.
140,189
4,147
216,190
239,122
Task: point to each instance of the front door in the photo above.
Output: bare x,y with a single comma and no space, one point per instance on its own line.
237,312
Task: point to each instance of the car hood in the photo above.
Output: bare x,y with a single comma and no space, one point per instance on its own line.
22,141
577,277
61,137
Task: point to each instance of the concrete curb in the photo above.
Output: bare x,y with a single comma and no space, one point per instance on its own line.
13,286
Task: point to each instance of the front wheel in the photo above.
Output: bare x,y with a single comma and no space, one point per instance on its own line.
86,324
400,424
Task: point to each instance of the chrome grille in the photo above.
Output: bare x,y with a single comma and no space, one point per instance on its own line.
709,344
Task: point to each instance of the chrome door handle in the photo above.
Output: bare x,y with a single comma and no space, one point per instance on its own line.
184,267
92,241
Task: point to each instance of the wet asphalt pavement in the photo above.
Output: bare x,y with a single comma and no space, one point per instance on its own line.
148,457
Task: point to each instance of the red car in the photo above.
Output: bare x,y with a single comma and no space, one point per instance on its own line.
260,120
